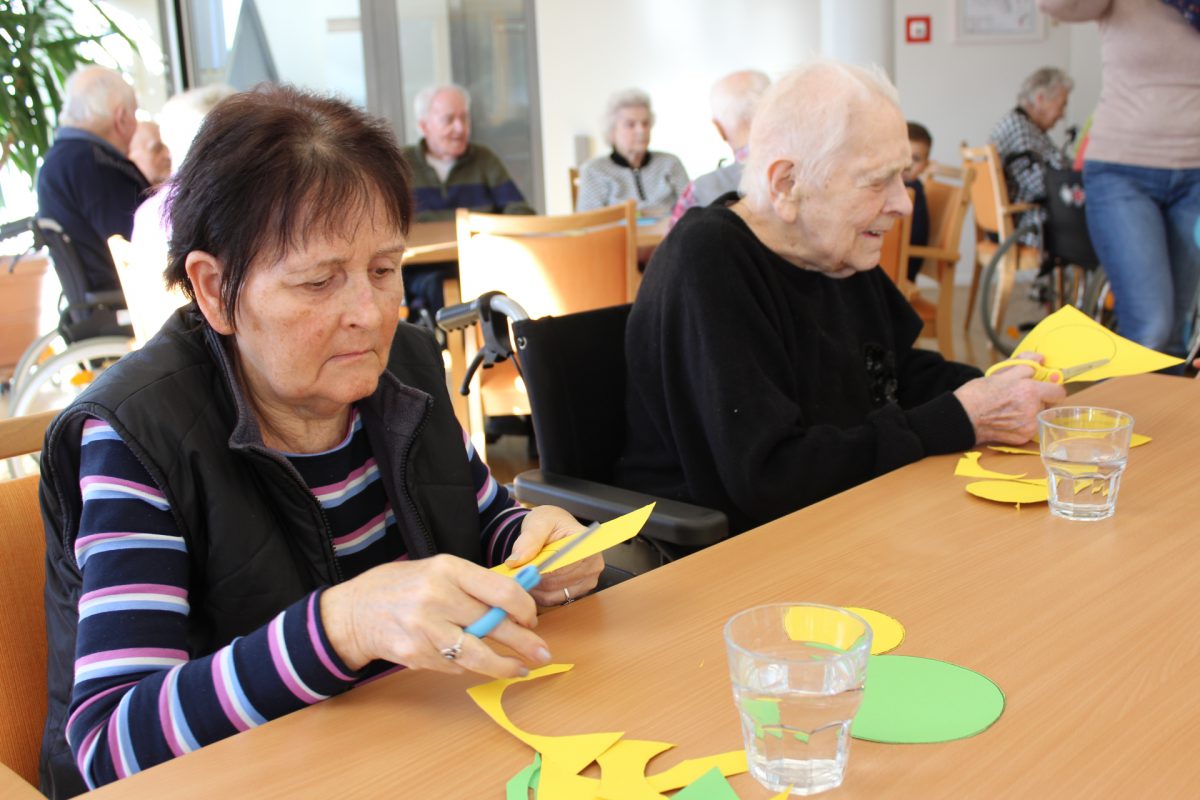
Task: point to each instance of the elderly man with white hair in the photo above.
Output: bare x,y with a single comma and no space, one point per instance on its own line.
733,100
632,171
87,183
770,363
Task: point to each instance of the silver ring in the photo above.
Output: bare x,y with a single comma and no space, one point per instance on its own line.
452,652
567,593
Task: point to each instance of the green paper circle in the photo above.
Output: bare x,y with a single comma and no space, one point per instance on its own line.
913,700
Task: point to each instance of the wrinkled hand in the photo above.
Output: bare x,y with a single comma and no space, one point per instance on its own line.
1003,408
546,524
406,612
1196,364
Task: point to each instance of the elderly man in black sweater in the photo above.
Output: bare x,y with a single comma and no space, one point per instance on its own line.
770,363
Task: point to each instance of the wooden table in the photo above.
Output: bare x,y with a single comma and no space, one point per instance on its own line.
1087,627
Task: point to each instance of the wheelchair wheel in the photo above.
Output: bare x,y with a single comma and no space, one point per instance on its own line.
1098,304
43,348
56,381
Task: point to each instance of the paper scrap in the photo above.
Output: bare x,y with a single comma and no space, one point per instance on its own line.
519,785
1069,337
709,786
686,772
886,632
1011,491
611,533
623,770
912,700
1014,451
968,467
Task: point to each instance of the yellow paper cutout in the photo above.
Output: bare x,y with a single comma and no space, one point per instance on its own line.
823,626
1010,491
683,773
886,632
1014,451
623,770
611,533
784,794
1137,439
569,754
968,467
1069,337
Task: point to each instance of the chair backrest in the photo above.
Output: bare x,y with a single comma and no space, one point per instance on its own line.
989,193
150,302
948,202
573,174
574,370
23,623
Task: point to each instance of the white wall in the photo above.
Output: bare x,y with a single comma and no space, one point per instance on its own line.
673,49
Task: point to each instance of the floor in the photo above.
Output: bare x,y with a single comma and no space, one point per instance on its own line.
508,456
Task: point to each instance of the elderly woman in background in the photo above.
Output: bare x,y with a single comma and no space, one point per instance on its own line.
654,179
272,500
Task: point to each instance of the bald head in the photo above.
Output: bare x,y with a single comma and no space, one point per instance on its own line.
99,101
733,100
804,119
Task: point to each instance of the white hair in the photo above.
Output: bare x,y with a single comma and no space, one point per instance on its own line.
804,118
424,98
180,118
626,98
92,95
1043,81
734,97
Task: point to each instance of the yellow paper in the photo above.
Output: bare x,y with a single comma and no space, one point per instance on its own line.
623,770
823,626
1014,451
968,467
611,533
886,632
1010,491
562,755
1069,337
1136,439
784,794
683,773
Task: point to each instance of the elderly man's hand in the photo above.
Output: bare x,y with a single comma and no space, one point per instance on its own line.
1004,407
546,524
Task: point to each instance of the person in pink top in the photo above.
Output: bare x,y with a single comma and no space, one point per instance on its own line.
1142,165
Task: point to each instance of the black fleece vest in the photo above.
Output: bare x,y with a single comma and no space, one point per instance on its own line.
257,538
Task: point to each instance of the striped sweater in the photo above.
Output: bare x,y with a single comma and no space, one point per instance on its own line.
140,697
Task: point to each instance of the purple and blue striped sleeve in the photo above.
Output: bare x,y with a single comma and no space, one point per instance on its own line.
140,697
500,516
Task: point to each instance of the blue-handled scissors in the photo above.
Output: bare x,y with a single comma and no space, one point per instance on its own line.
529,576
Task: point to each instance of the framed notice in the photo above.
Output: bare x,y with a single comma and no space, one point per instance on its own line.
997,20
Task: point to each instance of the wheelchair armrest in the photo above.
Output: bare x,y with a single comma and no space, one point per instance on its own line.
111,297
672,522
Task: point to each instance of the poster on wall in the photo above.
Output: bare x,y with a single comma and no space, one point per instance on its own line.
997,20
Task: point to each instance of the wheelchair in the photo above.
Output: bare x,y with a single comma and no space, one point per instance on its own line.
93,330
573,367
1013,300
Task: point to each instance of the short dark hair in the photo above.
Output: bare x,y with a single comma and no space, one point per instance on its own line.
271,168
919,133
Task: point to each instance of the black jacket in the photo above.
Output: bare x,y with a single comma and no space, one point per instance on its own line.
257,538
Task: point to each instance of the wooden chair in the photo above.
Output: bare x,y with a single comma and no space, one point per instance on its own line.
948,200
573,174
149,301
995,221
551,266
23,623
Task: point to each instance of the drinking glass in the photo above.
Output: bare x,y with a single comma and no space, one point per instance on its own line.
1085,449
798,671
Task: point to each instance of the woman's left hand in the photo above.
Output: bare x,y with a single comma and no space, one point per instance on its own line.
546,524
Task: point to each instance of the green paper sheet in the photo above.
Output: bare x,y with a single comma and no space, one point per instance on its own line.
912,700
709,786
519,785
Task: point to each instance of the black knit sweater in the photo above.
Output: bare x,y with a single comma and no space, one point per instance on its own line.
757,388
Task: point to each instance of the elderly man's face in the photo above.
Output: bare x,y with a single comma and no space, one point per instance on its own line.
841,225
149,153
446,126
314,328
631,133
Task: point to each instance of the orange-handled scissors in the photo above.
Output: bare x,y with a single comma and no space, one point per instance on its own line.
1048,374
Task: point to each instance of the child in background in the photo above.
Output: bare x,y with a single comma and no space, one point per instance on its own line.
922,142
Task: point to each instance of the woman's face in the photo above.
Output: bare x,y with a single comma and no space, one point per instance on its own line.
631,132
314,328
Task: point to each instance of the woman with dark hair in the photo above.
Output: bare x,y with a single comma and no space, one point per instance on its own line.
272,500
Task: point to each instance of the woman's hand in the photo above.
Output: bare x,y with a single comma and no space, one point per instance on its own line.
546,524
408,612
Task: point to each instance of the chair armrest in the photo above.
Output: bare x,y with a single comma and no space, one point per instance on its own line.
1014,208
111,297
936,253
672,522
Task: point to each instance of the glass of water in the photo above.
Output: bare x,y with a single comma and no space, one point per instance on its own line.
1085,449
798,671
